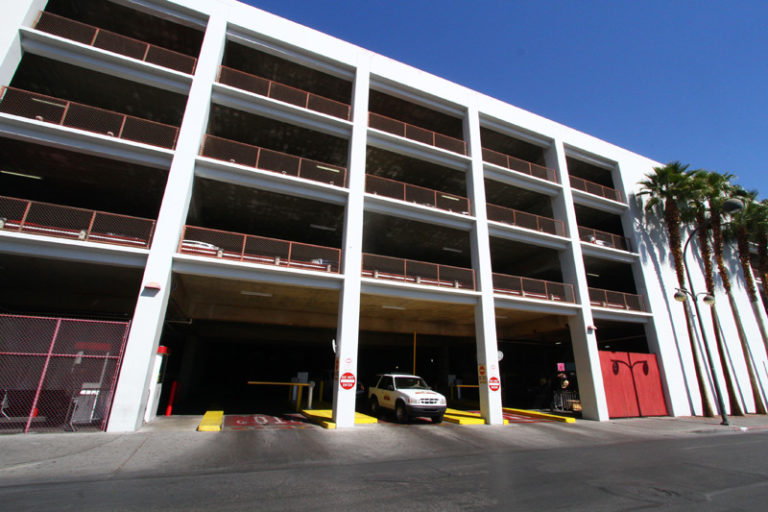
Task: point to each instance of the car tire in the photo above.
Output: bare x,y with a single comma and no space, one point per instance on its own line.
374,405
437,419
401,413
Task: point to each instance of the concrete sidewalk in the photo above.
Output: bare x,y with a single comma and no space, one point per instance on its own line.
171,446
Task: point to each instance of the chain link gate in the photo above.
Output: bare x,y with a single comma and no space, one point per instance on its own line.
58,373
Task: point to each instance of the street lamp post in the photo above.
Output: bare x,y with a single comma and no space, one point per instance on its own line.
729,206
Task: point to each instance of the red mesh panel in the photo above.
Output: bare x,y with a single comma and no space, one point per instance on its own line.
450,143
384,187
122,230
519,165
419,134
597,297
543,172
500,214
93,120
420,195
57,373
230,151
245,81
116,43
328,106
313,257
551,226
494,157
385,267
33,106
278,162
288,94
457,277
386,124
54,220
326,173
12,212
266,251
150,132
507,284
452,203
422,273
212,243
66,28
526,220
534,288
170,59
120,44
560,291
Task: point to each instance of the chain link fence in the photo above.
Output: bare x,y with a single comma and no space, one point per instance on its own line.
58,373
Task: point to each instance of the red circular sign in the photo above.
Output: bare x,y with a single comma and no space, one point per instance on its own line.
347,381
493,383
481,370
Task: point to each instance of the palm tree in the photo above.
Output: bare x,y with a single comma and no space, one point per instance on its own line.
761,239
668,188
749,220
707,189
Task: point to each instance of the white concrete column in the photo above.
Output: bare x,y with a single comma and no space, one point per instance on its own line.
147,325
581,326
14,15
488,375
348,327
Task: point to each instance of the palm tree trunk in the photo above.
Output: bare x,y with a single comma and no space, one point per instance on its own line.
742,241
754,379
709,277
737,408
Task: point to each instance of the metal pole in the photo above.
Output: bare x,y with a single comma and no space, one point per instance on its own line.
692,293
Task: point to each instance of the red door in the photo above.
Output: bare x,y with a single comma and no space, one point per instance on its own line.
632,385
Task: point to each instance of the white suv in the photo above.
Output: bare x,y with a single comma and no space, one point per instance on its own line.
407,395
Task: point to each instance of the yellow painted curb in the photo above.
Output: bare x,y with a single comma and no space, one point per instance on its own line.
324,418
211,421
543,415
465,417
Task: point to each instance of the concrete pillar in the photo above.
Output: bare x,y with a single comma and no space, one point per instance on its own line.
583,338
348,327
14,15
147,326
488,373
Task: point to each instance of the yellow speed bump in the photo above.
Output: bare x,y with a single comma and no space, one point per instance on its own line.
211,421
464,417
542,415
324,417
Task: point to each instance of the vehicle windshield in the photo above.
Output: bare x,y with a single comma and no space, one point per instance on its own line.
410,383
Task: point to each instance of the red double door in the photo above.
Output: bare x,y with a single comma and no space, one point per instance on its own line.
632,385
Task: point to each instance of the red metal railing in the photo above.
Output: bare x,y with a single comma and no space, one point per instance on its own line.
591,187
282,92
74,223
516,164
83,117
409,131
116,43
58,373
226,245
525,220
417,272
275,161
415,194
616,300
603,238
533,288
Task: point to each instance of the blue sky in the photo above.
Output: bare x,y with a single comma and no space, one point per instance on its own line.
672,80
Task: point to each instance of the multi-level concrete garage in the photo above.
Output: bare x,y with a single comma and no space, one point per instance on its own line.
256,200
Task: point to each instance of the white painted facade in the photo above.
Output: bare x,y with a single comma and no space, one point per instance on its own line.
225,19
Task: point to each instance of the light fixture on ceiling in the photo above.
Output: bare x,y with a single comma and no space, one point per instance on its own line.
451,249
593,275
22,175
255,294
387,306
324,228
499,316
